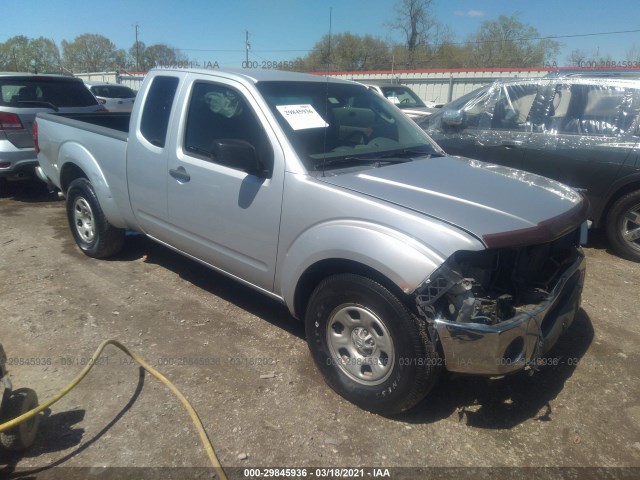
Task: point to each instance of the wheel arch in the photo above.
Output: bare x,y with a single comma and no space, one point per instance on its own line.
322,269
618,192
68,173
395,260
78,162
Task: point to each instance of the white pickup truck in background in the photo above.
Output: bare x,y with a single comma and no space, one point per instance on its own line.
321,194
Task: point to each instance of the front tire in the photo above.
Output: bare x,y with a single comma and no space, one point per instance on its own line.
369,347
91,230
623,226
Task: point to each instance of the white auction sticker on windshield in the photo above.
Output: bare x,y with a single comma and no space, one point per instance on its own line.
302,116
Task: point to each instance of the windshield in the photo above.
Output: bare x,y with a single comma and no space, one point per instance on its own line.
402,97
335,124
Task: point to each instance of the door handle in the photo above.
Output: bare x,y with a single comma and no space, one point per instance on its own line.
180,174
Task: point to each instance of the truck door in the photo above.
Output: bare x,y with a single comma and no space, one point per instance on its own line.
220,212
147,156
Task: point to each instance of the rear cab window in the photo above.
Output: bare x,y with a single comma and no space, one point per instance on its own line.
157,110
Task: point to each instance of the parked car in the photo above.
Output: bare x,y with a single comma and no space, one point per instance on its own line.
580,130
22,95
113,97
320,194
405,99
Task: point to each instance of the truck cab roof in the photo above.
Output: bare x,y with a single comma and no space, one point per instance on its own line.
253,75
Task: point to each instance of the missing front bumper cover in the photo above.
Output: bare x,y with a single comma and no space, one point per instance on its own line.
502,331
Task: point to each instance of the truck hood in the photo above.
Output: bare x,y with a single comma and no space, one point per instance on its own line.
499,205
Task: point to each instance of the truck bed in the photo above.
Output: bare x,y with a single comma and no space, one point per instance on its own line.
114,124
90,139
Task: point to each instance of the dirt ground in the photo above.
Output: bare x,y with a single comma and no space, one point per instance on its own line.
243,363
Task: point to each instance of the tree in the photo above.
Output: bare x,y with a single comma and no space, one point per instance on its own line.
22,54
161,54
415,20
507,42
14,54
450,55
90,52
580,58
633,55
45,55
158,54
577,58
135,55
347,52
440,51
121,60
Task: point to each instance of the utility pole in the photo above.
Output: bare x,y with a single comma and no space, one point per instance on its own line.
137,49
247,46
329,56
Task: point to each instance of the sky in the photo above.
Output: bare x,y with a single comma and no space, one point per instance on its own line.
213,31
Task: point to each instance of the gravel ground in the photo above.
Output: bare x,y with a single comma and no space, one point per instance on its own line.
243,363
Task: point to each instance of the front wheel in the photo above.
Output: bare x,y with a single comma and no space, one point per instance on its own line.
623,226
369,347
91,230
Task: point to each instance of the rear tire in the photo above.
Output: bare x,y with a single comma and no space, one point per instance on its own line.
369,347
623,226
91,230
23,435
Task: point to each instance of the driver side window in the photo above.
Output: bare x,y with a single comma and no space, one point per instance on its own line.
220,113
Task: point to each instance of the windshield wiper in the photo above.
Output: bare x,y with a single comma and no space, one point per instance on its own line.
41,103
376,161
412,152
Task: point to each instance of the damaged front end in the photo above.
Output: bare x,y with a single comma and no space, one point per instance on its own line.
498,310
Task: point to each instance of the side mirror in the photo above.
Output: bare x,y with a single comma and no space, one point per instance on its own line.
238,154
453,118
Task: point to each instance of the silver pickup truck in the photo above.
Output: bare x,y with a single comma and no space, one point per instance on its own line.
319,193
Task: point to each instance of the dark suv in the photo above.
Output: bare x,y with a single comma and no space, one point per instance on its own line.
22,95
583,131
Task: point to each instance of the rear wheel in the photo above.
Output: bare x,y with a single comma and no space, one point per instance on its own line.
623,226
91,230
369,347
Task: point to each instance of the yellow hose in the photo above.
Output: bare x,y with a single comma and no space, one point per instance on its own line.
83,373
